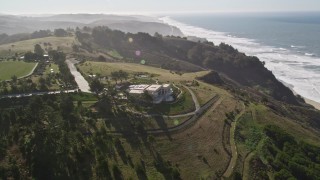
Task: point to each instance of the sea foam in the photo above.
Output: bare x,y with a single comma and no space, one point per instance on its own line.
288,66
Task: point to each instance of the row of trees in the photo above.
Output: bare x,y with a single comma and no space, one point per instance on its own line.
97,86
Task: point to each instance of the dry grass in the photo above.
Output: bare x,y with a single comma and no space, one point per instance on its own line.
199,144
196,151
204,92
65,43
163,75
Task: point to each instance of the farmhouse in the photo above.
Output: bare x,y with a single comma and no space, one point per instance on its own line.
159,93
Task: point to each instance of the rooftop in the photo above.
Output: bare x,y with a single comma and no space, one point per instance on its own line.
166,85
154,87
138,87
136,91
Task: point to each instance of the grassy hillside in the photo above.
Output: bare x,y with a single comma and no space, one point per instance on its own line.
14,68
247,133
179,54
65,44
120,144
252,141
163,75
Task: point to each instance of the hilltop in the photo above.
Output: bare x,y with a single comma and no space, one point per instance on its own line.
24,24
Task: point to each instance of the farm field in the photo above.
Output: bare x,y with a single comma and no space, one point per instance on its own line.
17,68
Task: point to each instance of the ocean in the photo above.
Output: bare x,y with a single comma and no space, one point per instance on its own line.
289,43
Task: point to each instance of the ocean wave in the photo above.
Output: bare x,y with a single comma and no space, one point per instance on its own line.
308,54
288,66
297,47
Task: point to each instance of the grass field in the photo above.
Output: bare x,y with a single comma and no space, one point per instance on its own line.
163,75
17,68
65,43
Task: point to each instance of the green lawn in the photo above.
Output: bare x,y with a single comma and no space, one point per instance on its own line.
183,105
52,66
17,68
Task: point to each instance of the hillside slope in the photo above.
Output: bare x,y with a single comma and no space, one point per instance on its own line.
167,52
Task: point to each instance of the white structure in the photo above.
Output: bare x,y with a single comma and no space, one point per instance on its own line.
159,93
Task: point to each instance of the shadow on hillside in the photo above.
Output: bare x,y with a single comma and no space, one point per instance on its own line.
163,125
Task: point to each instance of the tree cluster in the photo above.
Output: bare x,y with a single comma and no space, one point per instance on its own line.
290,159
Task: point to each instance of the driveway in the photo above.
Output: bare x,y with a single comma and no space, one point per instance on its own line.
81,81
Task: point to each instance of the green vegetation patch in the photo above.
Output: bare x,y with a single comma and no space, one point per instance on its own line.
290,159
15,68
248,132
184,104
83,97
115,54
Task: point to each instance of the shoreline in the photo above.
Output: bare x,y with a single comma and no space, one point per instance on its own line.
313,103
189,31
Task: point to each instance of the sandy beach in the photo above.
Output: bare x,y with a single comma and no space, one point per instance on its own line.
308,101
313,103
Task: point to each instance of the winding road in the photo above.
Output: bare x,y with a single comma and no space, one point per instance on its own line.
233,145
214,101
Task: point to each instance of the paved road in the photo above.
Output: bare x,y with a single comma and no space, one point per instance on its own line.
36,94
81,81
194,97
215,102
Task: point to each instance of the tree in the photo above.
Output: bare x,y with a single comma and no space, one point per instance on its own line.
96,86
38,50
115,76
60,33
102,58
157,35
14,78
123,75
66,105
29,56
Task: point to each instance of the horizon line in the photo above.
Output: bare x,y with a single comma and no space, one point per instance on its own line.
156,13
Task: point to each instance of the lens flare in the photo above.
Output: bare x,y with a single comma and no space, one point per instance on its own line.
143,62
138,53
130,40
